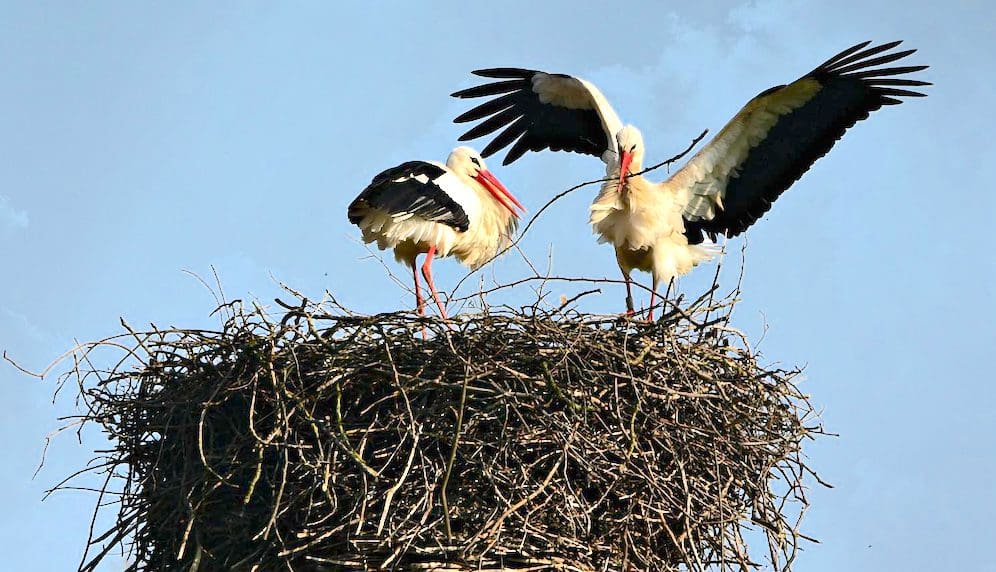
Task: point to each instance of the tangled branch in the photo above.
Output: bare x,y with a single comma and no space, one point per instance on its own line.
538,438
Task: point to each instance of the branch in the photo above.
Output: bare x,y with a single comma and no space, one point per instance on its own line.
563,194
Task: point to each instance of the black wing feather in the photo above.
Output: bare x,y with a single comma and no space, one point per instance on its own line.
397,192
487,108
847,56
532,124
844,54
865,64
511,133
492,124
501,73
493,88
850,92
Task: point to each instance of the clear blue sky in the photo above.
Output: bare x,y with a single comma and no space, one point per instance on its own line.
141,139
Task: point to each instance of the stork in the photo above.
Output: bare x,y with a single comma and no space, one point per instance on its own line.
724,188
457,209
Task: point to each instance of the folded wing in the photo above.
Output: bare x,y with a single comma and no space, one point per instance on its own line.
412,189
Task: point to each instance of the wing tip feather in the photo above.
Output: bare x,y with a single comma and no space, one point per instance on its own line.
843,54
489,89
466,116
503,73
882,72
900,92
856,61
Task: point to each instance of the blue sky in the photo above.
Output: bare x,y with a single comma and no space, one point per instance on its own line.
143,139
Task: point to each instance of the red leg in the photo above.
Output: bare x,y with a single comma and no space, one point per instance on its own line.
629,295
418,290
427,273
653,294
420,302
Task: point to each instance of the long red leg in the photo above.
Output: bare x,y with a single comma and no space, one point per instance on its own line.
427,273
419,301
629,294
653,294
418,296
418,290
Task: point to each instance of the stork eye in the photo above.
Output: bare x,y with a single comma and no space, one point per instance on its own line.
633,148
475,161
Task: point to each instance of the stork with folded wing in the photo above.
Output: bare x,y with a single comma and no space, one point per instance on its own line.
418,207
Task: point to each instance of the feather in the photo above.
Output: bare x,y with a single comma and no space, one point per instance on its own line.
548,111
778,136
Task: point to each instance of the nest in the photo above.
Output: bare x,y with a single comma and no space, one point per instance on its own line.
530,438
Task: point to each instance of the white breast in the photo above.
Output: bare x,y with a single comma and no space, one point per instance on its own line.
491,227
460,191
648,217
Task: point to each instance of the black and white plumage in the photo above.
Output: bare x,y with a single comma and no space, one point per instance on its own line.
412,189
725,187
540,111
457,209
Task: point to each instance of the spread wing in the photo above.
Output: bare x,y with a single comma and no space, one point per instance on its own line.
538,111
412,189
780,133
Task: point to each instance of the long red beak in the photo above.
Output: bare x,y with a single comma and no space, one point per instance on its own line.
499,192
627,158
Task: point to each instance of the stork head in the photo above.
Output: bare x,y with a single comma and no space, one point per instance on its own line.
467,162
629,141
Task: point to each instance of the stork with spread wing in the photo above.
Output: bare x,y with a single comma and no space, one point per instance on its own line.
667,228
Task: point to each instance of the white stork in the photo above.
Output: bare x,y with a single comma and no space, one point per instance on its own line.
724,188
459,208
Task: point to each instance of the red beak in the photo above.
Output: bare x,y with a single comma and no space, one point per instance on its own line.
499,192
627,158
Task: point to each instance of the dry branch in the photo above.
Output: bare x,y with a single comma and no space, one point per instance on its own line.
539,439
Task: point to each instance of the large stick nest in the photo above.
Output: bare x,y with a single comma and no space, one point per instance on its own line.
526,438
